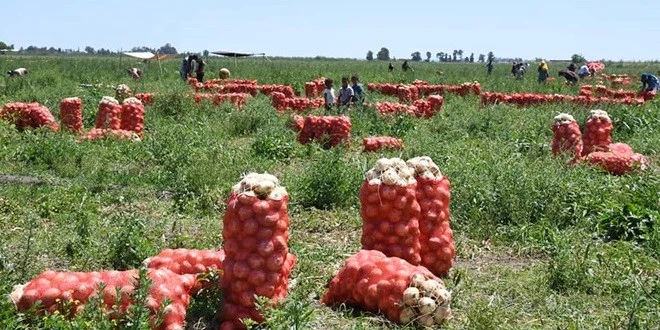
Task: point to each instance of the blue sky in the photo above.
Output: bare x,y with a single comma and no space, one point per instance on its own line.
628,30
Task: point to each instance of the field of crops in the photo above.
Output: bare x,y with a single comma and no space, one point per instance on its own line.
539,244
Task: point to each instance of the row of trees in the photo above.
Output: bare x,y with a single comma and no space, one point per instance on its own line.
165,49
455,56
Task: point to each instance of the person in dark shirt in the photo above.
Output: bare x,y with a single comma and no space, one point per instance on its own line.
572,67
405,66
358,89
390,67
489,66
571,77
650,83
200,69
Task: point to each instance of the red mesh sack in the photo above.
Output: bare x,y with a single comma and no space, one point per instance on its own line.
377,143
402,292
256,244
187,261
132,116
435,234
597,132
109,114
71,114
331,131
55,289
616,162
566,136
24,115
390,212
145,98
102,134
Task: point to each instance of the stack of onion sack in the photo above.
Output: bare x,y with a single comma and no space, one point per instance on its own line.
132,116
566,136
330,131
615,158
403,292
145,98
71,113
315,88
187,261
407,93
256,244
377,143
435,234
24,115
390,212
55,290
109,114
597,132
104,133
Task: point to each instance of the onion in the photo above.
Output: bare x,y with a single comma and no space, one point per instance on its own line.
407,315
426,305
411,296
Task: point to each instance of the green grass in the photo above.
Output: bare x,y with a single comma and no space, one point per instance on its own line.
540,245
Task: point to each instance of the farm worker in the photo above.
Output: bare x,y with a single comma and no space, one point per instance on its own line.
489,66
584,71
18,72
543,72
358,89
185,68
405,66
572,67
135,73
520,70
224,73
650,83
346,93
390,67
514,68
329,94
570,76
199,68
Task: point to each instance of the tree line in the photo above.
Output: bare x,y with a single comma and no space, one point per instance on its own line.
455,56
165,49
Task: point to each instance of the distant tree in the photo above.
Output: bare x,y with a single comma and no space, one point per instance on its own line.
471,57
460,54
142,49
428,56
416,56
491,56
89,50
370,56
205,53
578,58
4,45
167,49
482,58
383,54
455,53
394,59
440,56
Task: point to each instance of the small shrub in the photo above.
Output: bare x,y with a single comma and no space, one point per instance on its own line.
628,222
329,182
274,145
129,247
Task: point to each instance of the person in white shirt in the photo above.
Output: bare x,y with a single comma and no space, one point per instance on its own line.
18,72
135,73
584,71
329,94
